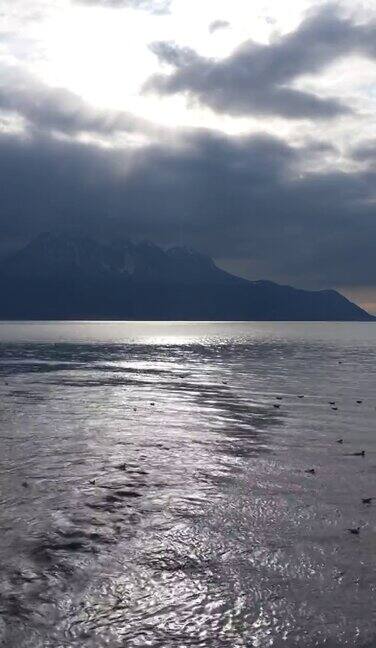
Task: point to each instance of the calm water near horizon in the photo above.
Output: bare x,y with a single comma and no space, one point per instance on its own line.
154,488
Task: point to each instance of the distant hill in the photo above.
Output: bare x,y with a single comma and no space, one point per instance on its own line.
59,276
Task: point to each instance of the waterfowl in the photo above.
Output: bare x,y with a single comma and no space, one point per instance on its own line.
25,484
359,454
300,396
311,471
339,440
359,402
92,482
332,402
335,409
354,531
277,406
278,397
367,500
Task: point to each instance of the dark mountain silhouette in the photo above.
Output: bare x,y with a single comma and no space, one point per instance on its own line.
59,276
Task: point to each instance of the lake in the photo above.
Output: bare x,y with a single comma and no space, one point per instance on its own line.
154,488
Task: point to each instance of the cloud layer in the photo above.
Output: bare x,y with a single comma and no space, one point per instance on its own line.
217,25
237,198
258,79
57,109
297,208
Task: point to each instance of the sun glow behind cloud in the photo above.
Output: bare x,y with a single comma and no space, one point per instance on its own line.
103,54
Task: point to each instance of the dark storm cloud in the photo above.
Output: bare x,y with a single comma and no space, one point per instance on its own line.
256,79
217,25
232,197
59,109
152,6
365,151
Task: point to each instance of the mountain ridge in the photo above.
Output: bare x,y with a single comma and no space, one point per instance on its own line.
65,276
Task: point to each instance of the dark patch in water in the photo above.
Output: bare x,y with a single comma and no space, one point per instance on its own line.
111,498
100,507
128,493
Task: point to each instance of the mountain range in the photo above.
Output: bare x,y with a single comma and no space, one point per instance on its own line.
75,277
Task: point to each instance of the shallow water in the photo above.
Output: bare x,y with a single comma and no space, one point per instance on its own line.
202,527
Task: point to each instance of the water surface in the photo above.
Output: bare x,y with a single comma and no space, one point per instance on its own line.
153,485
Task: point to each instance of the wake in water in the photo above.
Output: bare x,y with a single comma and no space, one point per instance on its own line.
186,486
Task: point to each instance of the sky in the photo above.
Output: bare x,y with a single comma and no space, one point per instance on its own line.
245,130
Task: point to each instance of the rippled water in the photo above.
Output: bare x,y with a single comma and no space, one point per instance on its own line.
154,493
